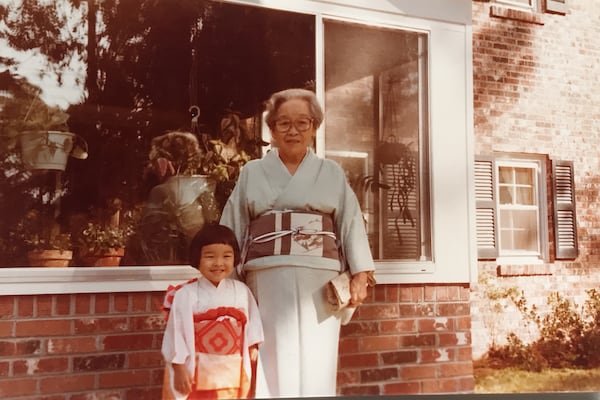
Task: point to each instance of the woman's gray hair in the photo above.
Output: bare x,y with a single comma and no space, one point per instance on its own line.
278,98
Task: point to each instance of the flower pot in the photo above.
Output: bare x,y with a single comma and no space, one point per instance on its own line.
49,258
110,258
46,149
176,209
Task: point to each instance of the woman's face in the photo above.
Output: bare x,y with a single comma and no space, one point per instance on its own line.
294,129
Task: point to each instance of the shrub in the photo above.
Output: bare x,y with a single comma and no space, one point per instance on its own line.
569,336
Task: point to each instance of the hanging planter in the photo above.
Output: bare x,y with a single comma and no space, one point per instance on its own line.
49,258
50,149
109,258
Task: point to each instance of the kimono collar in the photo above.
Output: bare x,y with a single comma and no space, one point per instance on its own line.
310,154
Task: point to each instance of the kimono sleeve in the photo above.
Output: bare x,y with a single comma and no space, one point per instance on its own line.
351,227
178,339
235,214
254,328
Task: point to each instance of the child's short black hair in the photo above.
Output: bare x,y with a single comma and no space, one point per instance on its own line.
213,233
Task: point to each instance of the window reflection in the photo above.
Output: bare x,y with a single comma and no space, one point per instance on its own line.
197,66
376,127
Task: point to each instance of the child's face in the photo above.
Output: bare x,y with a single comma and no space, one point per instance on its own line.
216,262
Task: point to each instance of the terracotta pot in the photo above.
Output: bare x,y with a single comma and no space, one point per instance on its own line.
111,258
49,258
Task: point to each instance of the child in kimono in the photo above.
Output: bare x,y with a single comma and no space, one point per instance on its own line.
213,327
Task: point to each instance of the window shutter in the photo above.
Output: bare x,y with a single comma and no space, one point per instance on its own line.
485,202
556,6
565,223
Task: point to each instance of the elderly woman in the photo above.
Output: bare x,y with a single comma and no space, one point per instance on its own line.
295,214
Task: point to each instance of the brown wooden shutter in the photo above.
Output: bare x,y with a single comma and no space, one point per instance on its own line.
565,223
556,6
485,202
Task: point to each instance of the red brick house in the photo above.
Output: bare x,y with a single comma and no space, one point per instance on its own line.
468,93
535,102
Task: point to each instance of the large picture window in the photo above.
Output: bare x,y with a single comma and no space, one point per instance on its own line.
394,79
375,98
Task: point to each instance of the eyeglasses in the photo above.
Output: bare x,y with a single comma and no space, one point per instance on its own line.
301,124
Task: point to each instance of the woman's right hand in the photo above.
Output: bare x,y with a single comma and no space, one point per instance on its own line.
182,381
358,288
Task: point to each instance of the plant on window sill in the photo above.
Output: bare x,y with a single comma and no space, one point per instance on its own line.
39,234
103,239
178,206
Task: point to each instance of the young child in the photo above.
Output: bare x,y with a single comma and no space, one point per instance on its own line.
213,327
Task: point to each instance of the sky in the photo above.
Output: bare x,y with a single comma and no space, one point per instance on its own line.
33,67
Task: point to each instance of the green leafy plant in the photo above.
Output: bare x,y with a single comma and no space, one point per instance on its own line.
182,153
37,231
569,336
99,238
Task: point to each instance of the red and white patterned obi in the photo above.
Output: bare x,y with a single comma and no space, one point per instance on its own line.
219,336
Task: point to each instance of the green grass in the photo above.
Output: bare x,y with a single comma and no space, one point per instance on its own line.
510,380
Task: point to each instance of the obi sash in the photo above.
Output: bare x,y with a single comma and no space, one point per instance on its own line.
219,340
302,233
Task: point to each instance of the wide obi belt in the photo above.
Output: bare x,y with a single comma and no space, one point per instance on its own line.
302,233
219,337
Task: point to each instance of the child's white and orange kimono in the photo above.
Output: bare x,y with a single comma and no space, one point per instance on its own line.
209,329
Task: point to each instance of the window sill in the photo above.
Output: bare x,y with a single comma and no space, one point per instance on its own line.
37,280
517,15
524,270
34,280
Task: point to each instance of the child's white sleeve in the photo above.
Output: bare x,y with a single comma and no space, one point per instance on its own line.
178,339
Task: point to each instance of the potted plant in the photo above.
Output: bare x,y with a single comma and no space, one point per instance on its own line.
102,245
41,130
195,175
102,240
46,245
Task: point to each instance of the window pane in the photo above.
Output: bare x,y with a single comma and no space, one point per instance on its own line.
524,176
506,195
518,231
376,127
525,196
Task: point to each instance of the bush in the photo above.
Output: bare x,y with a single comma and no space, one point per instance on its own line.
569,337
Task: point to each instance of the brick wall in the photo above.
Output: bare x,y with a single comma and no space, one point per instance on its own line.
408,339
81,346
405,339
536,86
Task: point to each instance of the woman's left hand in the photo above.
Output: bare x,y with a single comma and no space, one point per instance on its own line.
358,288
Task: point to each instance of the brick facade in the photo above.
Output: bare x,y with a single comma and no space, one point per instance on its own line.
536,87
73,346
404,339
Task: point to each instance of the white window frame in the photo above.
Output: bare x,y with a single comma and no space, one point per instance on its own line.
532,6
525,257
451,153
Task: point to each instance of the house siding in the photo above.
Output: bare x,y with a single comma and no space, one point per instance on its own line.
536,89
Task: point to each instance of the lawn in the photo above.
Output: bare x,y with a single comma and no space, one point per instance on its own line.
510,380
